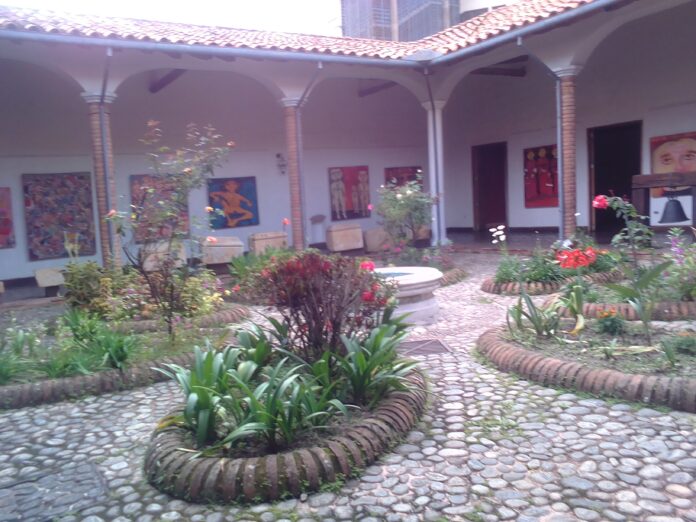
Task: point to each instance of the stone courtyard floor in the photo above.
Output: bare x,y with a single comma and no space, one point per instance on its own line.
491,447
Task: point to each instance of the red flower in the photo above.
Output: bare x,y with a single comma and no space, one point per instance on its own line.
286,221
367,265
368,296
601,202
236,288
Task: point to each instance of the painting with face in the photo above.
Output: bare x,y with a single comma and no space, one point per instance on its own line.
672,153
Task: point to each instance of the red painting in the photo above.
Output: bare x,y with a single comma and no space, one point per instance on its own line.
7,238
349,188
541,177
399,176
146,192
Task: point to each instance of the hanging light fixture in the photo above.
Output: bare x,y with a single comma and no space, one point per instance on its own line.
281,163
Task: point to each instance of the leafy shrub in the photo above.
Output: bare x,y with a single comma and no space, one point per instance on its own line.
610,322
403,255
404,210
246,269
17,345
545,321
681,277
509,269
323,297
685,344
540,267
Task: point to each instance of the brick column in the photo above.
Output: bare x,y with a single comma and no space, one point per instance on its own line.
568,148
101,148
292,143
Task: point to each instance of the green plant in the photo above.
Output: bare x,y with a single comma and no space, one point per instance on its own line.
640,293
404,209
116,347
681,277
83,284
17,346
575,302
610,322
509,269
673,345
370,366
202,386
544,320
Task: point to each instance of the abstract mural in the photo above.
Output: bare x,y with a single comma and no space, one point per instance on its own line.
146,191
58,210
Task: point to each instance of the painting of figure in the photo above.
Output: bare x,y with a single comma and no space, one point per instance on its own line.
146,191
7,238
672,153
399,176
349,188
58,213
541,177
234,202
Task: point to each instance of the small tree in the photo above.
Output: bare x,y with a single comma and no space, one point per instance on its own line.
157,224
404,209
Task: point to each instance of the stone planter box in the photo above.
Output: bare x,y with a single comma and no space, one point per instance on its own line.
171,468
344,236
537,288
259,242
222,251
678,393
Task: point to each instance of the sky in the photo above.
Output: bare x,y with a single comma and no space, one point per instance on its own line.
296,16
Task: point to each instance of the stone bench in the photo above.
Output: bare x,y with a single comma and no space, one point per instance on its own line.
222,250
344,236
50,279
261,241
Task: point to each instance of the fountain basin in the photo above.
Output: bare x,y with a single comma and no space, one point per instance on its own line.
416,285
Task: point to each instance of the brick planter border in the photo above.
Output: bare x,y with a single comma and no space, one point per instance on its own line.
452,276
169,466
15,396
229,314
665,311
538,288
678,393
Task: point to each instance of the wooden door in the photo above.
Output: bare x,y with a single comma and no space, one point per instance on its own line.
489,167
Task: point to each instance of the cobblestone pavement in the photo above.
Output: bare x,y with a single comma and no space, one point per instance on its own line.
491,448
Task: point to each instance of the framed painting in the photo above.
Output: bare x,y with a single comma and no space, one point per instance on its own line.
672,153
541,177
7,238
234,202
58,211
399,176
146,190
349,190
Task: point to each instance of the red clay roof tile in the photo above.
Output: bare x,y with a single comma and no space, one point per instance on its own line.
466,34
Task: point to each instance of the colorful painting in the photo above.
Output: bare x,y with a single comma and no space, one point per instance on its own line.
349,189
402,175
673,153
146,191
58,211
234,202
541,177
7,238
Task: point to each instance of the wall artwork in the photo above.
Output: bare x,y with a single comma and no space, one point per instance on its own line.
7,238
146,190
541,177
673,153
349,189
58,210
402,175
235,202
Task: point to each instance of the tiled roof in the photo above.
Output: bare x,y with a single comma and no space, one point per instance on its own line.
466,34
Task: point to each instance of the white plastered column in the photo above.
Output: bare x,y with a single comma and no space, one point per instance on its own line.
436,175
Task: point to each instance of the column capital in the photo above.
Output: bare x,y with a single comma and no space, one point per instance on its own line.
290,102
439,104
95,97
570,70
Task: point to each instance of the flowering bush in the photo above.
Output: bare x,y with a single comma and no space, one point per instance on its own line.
610,322
323,297
404,210
636,233
681,277
576,258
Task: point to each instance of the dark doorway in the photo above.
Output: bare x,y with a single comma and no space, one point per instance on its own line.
489,167
614,153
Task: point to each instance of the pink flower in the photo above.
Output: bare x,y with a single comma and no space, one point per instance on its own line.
368,296
111,213
367,265
286,222
601,202
209,209
370,207
211,239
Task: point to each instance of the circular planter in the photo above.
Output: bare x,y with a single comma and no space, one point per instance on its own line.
678,393
416,285
228,314
169,465
665,311
538,288
16,396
